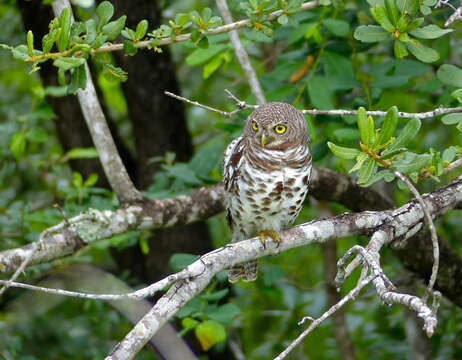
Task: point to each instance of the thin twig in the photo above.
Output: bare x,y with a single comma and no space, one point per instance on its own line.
452,166
135,295
242,105
241,54
434,236
348,297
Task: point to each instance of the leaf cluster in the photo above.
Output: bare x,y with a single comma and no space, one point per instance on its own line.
398,20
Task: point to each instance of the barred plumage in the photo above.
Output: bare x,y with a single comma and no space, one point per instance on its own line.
266,173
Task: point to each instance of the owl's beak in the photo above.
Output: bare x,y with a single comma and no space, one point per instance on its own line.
264,139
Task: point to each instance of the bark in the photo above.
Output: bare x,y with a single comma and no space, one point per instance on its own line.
159,126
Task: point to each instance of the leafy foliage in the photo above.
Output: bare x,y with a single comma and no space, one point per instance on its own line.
368,55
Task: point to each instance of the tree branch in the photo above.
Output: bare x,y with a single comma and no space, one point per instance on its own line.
401,223
242,105
241,54
94,117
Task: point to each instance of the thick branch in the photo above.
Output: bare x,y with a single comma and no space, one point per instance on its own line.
401,223
112,164
241,54
93,225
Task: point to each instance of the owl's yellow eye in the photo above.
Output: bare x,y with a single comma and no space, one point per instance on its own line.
280,129
254,126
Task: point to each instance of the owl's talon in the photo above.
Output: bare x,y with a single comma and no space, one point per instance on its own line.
268,233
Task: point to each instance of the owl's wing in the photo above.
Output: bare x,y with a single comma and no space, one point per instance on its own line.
231,162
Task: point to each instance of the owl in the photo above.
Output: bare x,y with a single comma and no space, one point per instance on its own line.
266,173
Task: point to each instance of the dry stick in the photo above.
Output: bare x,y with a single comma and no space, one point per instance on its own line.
315,323
434,236
102,139
241,54
242,105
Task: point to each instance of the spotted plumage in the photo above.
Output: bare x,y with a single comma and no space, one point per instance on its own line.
266,173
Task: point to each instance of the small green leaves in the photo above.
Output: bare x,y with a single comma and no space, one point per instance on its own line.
113,29
430,32
114,73
80,153
450,75
209,333
407,134
363,126
65,23
141,29
422,52
67,63
388,126
18,145
371,33
30,43
104,12
78,80
343,152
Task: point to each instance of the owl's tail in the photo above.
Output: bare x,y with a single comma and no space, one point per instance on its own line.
246,271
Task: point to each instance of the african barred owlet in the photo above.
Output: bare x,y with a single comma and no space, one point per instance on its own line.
266,173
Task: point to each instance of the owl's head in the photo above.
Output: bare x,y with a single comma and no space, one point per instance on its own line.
277,126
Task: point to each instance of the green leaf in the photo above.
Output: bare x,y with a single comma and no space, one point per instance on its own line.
209,333
390,154
182,172
389,125
422,52
181,19
179,261
224,313
192,306
366,171
49,39
371,33
128,34
65,22
392,10
343,152
413,163
30,43
91,31
77,179
371,130
451,119
67,63
363,126
457,94
18,145
346,134
141,29
459,126
91,180
400,49
337,27
112,73
78,80
362,157
283,19
407,134
449,154
215,296
189,323
206,14
104,12
77,28
37,135
380,15
376,177
430,32
450,75
113,29
211,66
202,56
20,52
129,48
414,24
320,94
81,153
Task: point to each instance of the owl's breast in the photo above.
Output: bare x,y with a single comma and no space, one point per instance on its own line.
267,200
